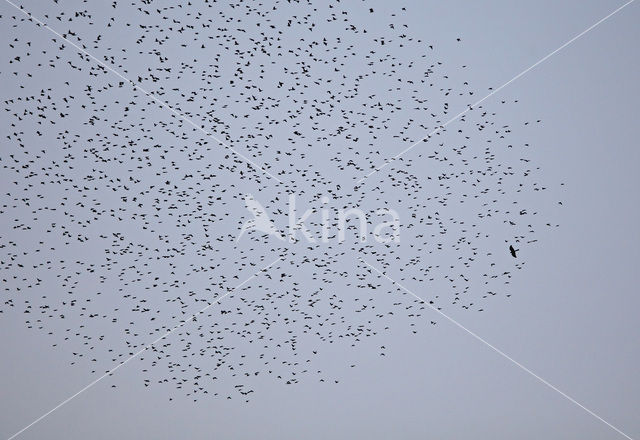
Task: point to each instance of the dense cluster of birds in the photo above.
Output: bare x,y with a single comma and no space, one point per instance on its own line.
123,199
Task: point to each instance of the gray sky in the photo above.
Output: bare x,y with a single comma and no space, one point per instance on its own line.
571,319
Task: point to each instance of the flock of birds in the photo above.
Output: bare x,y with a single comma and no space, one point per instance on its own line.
121,219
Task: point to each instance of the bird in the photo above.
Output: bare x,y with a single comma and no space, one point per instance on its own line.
512,251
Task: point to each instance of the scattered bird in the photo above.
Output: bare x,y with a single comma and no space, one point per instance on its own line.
123,217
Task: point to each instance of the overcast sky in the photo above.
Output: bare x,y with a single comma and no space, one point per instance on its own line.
572,318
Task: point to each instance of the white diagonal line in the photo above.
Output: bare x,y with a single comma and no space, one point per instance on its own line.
497,350
441,127
145,348
149,94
